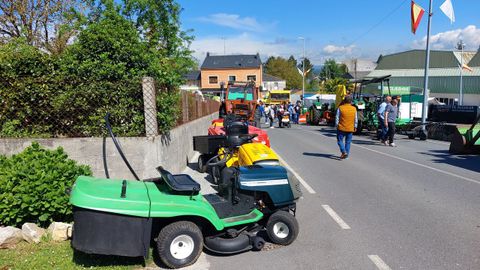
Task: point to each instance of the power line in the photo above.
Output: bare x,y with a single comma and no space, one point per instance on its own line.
378,23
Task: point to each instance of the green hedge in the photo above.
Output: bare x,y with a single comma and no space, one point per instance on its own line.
68,94
33,184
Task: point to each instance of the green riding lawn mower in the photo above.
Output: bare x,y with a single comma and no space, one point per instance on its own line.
127,217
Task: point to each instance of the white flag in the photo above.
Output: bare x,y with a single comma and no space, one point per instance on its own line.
300,71
447,8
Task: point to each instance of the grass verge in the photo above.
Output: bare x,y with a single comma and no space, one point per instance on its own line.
60,255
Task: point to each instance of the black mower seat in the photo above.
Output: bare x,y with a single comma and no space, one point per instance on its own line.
179,182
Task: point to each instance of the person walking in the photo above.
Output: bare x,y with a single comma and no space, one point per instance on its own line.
296,112
381,119
271,115
391,113
346,123
291,112
267,114
258,113
280,111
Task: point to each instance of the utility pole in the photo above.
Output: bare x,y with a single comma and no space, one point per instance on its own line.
427,64
303,72
460,47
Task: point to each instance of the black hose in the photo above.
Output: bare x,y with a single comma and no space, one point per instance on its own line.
117,145
104,150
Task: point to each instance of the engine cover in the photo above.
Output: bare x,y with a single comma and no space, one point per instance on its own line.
270,179
256,154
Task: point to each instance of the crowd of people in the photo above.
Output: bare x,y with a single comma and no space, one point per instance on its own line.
272,113
346,121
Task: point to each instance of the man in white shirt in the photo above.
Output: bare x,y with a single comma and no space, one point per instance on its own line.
381,117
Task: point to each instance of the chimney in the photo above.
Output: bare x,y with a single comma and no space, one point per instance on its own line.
208,54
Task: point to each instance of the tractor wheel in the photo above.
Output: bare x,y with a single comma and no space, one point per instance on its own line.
422,135
202,166
179,244
282,228
309,116
316,117
215,174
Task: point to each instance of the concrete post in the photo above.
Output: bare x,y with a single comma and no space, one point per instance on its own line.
150,107
185,106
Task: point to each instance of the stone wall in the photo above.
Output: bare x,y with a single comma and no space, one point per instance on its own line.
170,151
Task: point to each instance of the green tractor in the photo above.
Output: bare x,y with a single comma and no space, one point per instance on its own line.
124,217
320,112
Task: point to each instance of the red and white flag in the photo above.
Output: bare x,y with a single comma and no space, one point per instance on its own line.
417,14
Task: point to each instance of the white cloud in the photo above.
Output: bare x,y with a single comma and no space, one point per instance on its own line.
247,43
236,22
244,44
338,50
448,40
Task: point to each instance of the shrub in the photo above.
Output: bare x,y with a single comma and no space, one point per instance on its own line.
33,183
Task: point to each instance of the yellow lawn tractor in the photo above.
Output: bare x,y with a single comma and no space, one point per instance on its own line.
234,149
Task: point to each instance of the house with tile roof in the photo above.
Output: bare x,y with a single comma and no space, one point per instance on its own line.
217,70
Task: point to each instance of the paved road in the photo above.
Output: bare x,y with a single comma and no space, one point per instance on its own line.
409,207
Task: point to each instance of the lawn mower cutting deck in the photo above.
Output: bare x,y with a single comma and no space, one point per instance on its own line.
122,217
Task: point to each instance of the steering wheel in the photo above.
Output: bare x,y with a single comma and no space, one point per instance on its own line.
221,162
247,137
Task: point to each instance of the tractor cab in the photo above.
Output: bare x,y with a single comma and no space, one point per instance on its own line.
241,99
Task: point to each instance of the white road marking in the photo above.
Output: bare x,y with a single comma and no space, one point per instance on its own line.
303,182
420,165
381,265
409,161
336,217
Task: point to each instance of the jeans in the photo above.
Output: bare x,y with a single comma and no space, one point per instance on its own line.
295,118
383,128
391,132
344,146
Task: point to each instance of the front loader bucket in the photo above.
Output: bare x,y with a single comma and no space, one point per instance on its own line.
465,141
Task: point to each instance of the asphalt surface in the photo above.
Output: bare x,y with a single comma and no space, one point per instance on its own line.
413,206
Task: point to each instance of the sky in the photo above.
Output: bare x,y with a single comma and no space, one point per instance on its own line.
341,29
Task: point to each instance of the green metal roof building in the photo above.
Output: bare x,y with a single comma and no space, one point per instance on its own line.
407,70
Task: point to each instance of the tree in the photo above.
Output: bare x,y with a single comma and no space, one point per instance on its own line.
42,23
285,69
331,69
331,84
313,85
308,67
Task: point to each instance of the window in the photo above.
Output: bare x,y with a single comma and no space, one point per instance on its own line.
232,78
275,85
252,78
212,79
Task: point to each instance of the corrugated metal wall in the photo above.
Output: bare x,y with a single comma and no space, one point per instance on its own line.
449,85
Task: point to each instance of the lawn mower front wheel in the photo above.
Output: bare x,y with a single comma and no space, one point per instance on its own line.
282,228
179,244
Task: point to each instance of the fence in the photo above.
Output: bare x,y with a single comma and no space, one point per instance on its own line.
195,106
52,110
